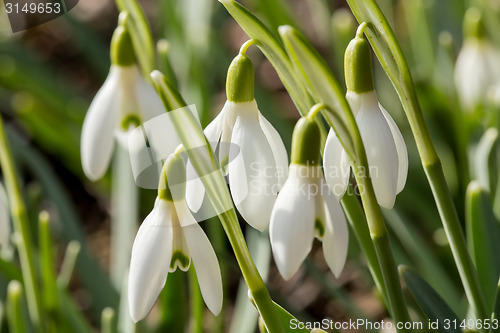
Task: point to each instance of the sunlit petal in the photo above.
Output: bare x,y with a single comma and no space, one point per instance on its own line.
380,149
336,236
335,165
101,121
150,104
278,149
195,191
401,149
292,223
230,111
149,264
252,171
206,265
476,71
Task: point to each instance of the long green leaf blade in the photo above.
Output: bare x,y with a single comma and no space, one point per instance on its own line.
321,83
273,50
496,311
482,236
434,307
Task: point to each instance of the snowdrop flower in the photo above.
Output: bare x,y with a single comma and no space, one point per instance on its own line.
124,101
306,208
385,147
4,217
477,69
170,238
250,150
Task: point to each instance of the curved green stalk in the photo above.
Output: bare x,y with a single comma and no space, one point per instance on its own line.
22,227
196,302
323,86
388,51
192,138
305,65
124,215
356,217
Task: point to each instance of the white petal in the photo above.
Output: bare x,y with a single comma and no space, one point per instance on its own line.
4,217
161,136
476,70
292,222
150,104
278,148
206,265
336,237
195,191
181,257
213,131
101,121
150,260
252,170
335,165
401,149
380,149
231,111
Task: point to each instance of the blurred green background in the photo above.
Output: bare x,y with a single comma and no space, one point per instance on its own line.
50,73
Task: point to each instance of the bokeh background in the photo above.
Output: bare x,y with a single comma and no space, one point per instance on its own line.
50,73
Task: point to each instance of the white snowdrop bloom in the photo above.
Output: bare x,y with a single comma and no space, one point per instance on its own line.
4,217
384,145
306,208
250,149
170,238
124,101
477,69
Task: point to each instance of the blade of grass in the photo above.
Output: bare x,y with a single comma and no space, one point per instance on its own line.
429,300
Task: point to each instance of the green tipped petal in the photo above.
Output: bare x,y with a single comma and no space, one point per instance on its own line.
358,66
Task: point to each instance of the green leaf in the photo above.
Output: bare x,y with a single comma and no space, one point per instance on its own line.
10,270
245,316
434,307
274,52
49,290
321,84
287,319
92,276
485,160
482,236
16,308
496,310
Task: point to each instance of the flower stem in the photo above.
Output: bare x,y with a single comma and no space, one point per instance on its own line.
376,226
456,239
250,273
197,306
124,212
21,227
190,135
357,219
247,44
390,56
380,239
